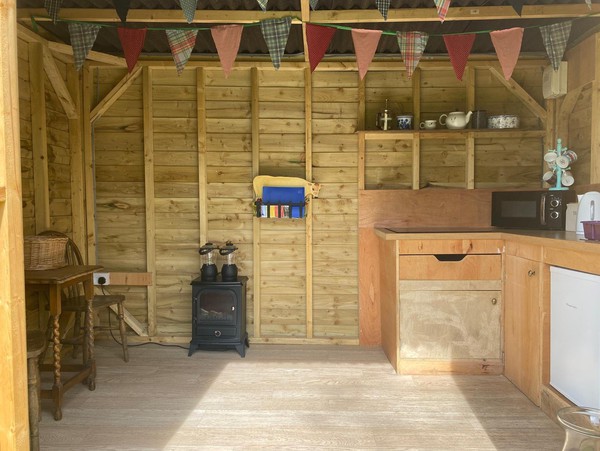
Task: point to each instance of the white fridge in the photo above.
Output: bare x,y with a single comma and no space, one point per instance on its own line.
575,336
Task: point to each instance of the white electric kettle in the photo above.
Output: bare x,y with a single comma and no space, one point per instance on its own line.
588,210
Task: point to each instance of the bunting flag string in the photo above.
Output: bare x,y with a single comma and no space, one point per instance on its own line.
507,43
182,43
383,6
442,8
555,39
53,7
412,45
459,48
122,8
317,41
276,33
227,40
189,9
508,46
83,37
132,41
365,45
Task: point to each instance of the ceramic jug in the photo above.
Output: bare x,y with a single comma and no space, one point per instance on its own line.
455,119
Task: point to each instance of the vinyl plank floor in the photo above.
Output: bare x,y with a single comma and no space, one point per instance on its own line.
288,397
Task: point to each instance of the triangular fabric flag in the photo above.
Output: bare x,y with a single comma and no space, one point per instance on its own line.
53,7
83,37
589,3
517,5
317,40
189,9
383,6
556,37
276,33
412,45
508,46
122,7
182,43
227,40
442,8
132,41
262,4
459,48
315,3
365,45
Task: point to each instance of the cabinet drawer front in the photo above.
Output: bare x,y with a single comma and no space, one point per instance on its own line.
450,324
450,246
469,267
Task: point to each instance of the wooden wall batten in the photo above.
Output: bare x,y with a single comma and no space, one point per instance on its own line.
88,160
256,260
202,184
149,196
309,207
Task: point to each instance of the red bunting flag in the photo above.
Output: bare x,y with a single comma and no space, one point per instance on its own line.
459,48
227,40
508,46
132,41
365,45
317,40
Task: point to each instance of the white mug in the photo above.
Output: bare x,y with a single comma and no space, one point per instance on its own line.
428,125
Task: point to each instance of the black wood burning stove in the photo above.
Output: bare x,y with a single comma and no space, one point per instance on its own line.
219,315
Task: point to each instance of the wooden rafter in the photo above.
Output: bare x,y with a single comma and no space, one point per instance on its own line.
114,94
59,85
305,15
322,16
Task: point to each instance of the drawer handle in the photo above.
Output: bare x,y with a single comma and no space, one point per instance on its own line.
449,257
494,301
531,273
217,333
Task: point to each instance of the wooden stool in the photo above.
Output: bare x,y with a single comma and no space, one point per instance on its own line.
36,345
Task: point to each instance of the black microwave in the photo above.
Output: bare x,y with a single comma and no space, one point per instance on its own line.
531,209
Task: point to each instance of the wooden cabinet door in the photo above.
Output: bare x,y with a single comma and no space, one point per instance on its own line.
522,325
450,324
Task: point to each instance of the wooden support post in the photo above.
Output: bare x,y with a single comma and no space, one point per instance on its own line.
202,181
416,161
309,206
149,196
88,162
470,88
14,431
362,144
39,138
76,160
362,105
470,163
595,138
256,221
416,86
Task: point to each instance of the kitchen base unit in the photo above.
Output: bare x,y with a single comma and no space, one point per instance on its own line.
442,312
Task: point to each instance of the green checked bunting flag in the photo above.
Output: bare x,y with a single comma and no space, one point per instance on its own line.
556,37
182,43
189,9
276,33
53,7
83,37
412,45
442,8
262,4
315,3
383,6
589,3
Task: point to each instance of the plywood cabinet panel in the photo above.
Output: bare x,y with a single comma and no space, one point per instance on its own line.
463,267
450,324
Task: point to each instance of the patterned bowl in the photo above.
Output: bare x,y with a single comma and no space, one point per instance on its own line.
503,121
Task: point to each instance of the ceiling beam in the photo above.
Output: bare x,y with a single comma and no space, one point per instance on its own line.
555,11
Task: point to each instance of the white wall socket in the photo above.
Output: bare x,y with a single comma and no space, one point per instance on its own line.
99,275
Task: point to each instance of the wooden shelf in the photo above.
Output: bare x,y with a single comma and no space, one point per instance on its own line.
377,135
2,194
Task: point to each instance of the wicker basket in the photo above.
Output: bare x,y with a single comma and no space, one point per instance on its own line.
45,252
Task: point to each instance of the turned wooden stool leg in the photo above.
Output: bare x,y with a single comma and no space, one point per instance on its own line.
36,345
122,330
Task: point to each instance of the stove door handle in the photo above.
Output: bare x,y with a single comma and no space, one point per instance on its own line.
217,333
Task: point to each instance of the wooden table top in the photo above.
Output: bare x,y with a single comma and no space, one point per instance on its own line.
59,275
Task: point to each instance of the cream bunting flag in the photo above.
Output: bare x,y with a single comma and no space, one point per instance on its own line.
508,46
227,40
365,45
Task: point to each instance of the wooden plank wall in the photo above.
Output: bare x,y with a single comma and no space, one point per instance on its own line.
26,137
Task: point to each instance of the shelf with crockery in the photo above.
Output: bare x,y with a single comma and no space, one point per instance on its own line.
379,135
